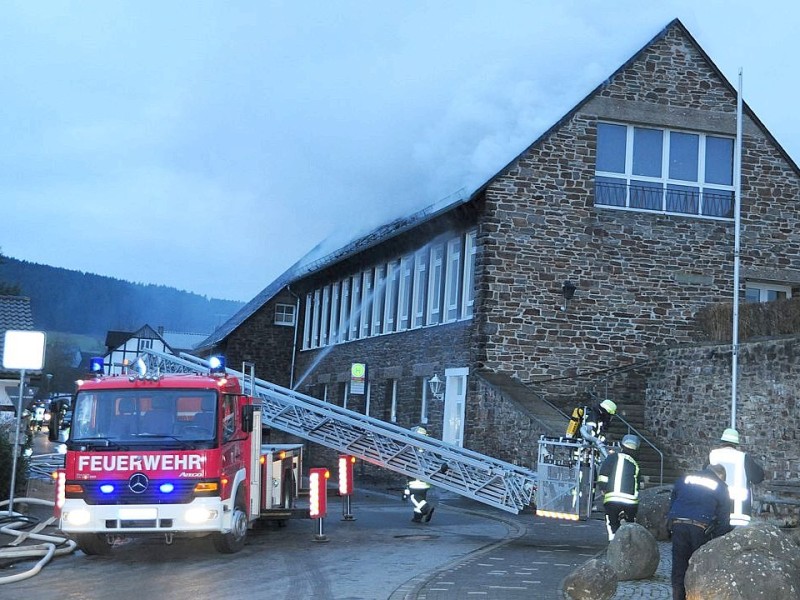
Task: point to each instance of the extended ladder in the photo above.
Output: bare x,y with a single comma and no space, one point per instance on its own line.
449,467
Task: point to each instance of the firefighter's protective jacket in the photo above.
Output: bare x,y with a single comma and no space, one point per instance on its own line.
619,479
702,497
595,422
740,472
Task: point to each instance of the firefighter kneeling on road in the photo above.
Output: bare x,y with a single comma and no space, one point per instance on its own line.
417,490
619,480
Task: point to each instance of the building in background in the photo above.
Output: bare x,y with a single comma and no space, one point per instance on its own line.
124,347
555,279
15,315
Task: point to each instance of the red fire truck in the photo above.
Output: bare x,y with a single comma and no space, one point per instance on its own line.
171,455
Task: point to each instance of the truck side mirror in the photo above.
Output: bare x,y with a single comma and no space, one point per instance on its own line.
247,418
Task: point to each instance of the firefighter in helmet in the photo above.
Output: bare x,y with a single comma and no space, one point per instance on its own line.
417,491
595,422
741,472
619,481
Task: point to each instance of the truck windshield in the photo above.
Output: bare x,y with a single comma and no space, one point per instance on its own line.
131,415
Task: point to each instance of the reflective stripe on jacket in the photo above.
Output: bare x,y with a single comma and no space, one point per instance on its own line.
736,478
619,476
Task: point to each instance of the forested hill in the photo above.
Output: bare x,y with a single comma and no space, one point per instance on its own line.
84,303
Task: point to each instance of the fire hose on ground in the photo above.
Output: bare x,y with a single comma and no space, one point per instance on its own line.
23,528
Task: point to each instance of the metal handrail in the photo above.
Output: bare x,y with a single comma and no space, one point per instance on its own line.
633,429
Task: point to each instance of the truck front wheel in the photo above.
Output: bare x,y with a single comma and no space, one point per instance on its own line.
233,541
93,544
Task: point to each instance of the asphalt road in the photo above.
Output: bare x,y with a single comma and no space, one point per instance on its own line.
467,550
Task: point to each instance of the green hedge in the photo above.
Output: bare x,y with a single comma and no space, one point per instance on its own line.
6,462
756,320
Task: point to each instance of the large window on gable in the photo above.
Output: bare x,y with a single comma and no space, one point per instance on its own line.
663,170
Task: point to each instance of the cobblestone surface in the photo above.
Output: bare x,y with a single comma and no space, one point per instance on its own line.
659,586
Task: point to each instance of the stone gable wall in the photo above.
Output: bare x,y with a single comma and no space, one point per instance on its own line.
263,343
640,277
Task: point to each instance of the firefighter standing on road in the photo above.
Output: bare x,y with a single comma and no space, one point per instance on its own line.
619,480
698,512
417,490
741,472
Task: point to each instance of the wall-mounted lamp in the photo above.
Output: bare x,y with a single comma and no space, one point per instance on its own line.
436,386
568,290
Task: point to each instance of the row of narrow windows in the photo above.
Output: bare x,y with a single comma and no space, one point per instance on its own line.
432,286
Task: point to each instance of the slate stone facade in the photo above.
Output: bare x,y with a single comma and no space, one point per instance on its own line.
640,277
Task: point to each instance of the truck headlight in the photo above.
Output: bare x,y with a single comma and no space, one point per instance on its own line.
200,514
78,516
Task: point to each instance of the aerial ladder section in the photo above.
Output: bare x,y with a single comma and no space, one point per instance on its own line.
459,470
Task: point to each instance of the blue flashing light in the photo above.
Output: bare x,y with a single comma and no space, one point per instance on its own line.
217,365
106,488
96,365
166,488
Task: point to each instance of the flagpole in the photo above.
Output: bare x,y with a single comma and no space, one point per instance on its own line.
737,193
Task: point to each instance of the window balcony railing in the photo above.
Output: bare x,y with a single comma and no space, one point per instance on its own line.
656,197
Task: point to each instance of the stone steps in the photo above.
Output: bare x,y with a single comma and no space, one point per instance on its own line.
553,420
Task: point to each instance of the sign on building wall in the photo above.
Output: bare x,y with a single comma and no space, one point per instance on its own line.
358,378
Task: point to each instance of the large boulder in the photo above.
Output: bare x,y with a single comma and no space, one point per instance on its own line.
752,562
633,553
653,509
593,580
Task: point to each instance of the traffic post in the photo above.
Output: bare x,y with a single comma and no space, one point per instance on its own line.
346,463
318,499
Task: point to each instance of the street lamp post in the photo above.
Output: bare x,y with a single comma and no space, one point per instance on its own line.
436,386
22,350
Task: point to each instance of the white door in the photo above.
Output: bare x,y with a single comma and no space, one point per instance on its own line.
455,402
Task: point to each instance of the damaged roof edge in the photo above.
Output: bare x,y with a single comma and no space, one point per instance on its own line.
305,267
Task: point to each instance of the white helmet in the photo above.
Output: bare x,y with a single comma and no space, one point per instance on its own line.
731,436
631,442
609,406
420,430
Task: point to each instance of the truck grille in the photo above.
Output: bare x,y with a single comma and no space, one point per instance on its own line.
182,493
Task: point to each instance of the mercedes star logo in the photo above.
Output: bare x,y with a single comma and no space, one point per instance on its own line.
138,483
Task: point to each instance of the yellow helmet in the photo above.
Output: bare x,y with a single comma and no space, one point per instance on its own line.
731,436
420,430
609,406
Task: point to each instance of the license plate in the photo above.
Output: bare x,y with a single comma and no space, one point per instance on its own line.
129,514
